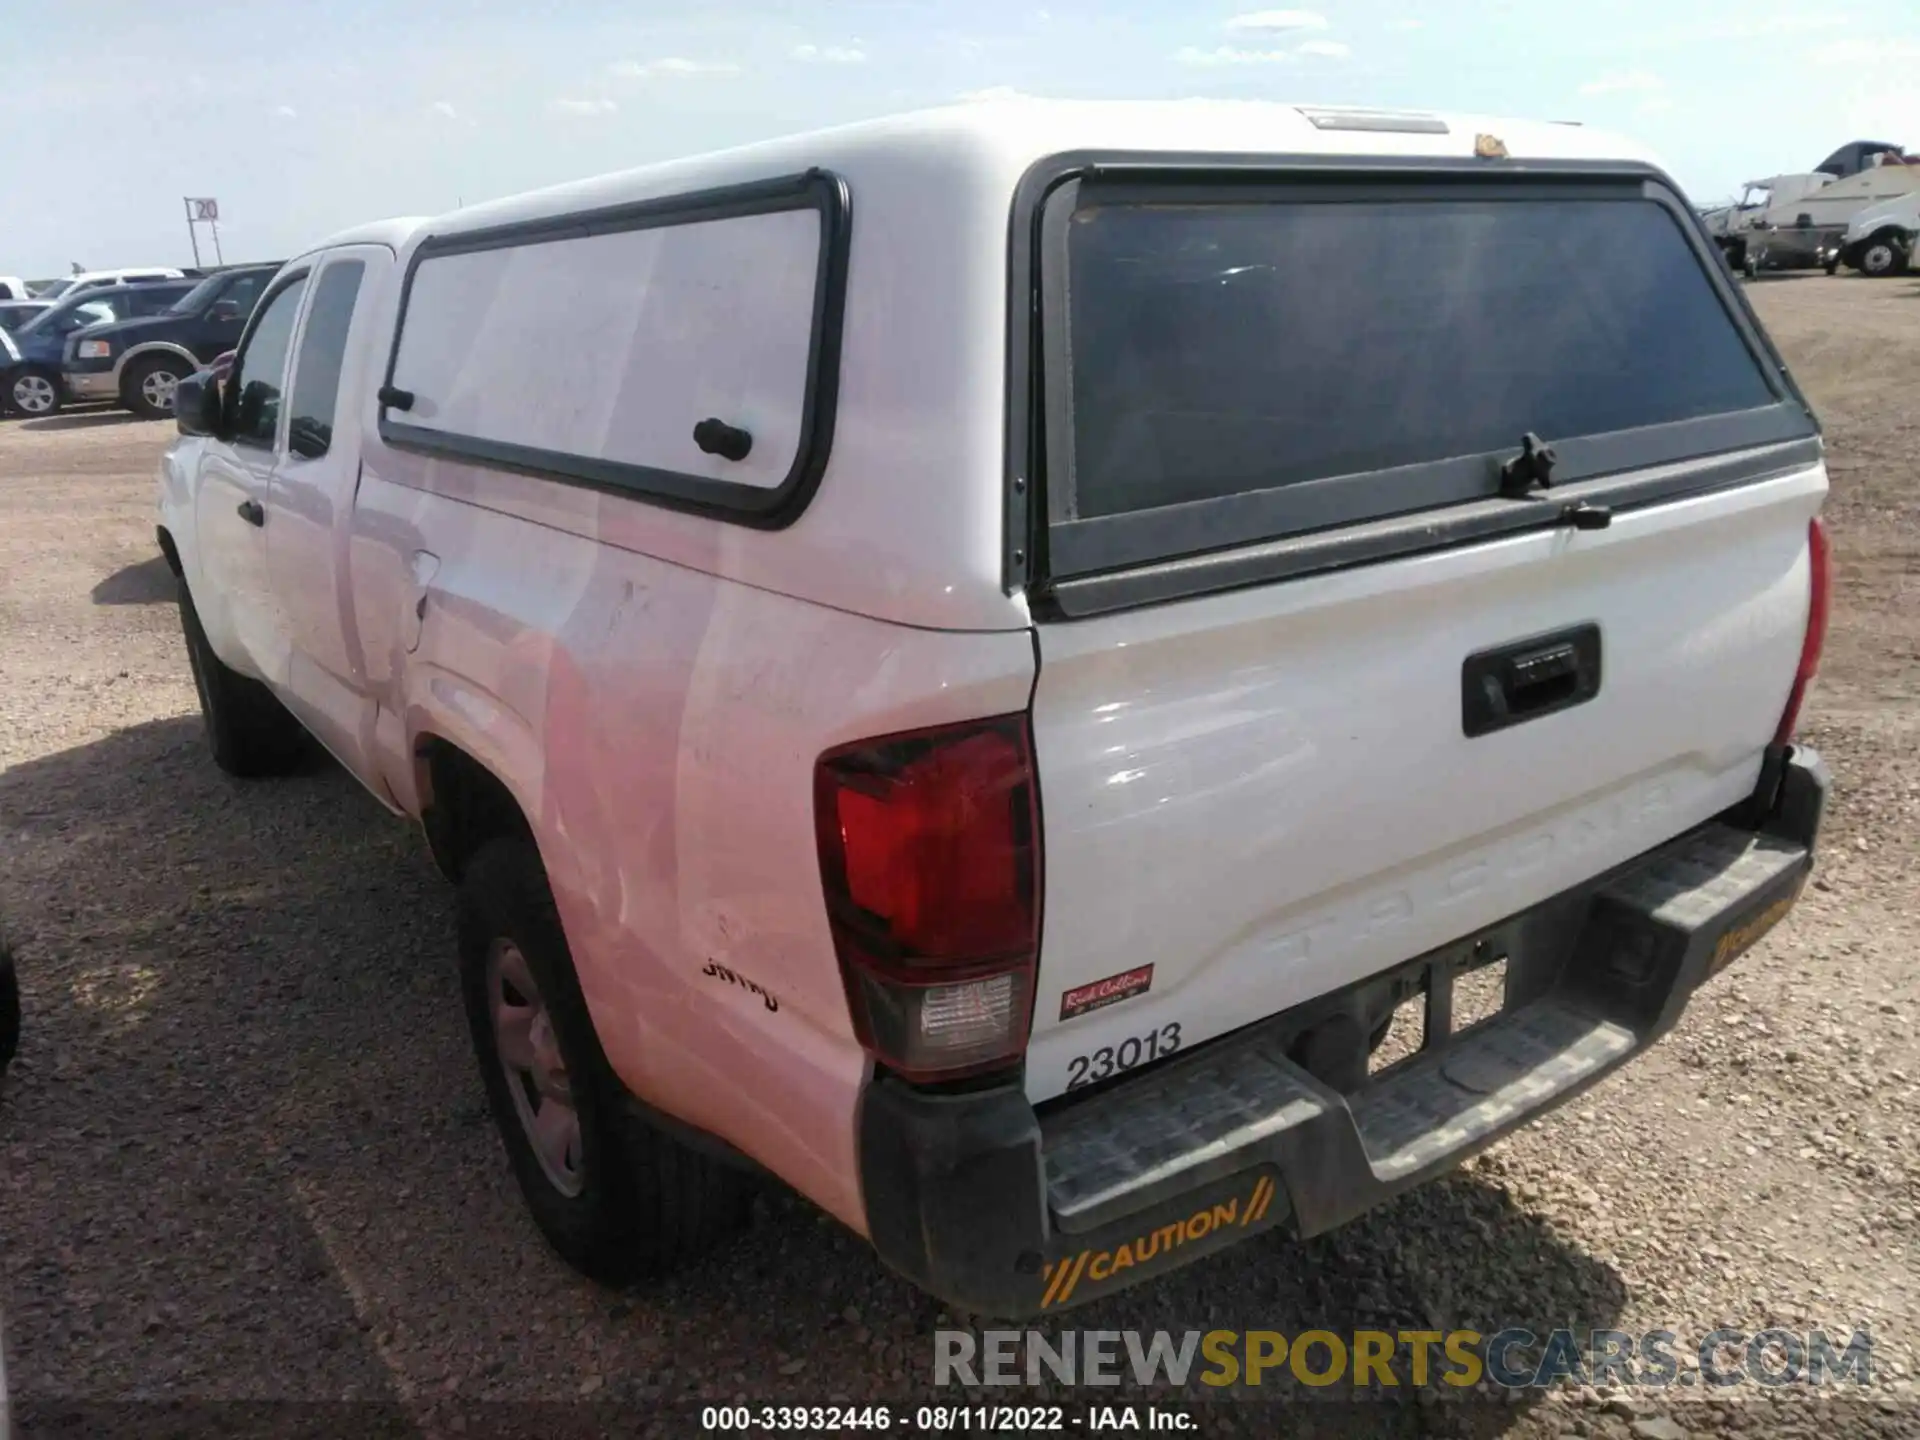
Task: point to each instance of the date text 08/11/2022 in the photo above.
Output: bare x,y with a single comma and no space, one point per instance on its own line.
957,1419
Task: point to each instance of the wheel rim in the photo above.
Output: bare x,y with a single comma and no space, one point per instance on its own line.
34,394
536,1072
1877,259
157,387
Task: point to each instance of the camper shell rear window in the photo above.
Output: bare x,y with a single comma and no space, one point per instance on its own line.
1264,356
684,351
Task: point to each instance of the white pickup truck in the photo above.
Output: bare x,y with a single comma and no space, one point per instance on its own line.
975,662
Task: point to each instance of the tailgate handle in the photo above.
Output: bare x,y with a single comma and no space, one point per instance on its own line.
1529,678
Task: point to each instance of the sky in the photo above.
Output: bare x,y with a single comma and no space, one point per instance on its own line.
303,117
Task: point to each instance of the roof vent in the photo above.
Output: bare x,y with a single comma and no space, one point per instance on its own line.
1402,122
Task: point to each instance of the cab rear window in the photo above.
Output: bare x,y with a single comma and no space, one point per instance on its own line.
1233,366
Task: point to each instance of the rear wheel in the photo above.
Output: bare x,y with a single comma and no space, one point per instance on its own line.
147,390
35,392
615,1198
249,732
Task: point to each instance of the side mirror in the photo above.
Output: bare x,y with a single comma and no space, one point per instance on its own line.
196,404
224,310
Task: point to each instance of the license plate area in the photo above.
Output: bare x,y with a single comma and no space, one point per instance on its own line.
1437,998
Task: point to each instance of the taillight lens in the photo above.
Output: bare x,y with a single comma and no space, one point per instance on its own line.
1819,602
930,860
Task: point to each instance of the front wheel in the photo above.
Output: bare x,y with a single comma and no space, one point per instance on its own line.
1881,257
148,387
35,392
616,1199
249,731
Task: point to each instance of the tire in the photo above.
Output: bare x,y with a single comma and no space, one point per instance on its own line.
9,1006
617,1200
34,391
1880,257
147,387
249,732
1833,265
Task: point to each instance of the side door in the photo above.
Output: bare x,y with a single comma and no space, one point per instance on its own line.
312,501
218,329
230,495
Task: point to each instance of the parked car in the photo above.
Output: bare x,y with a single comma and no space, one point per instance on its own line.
814,617
32,384
12,287
72,285
15,313
139,361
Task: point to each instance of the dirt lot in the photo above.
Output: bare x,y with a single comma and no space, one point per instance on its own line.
244,1155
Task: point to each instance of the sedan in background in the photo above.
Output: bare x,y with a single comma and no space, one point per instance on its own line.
15,313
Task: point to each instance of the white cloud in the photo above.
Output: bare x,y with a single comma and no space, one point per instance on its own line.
1279,20
1619,82
993,92
1868,52
1230,55
830,54
286,112
1655,105
1333,49
445,108
1406,24
584,107
672,66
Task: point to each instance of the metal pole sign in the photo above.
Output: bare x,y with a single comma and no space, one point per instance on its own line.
203,210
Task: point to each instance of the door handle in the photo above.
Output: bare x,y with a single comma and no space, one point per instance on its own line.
252,513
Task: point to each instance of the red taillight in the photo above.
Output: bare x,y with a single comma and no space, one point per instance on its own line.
1821,565
929,856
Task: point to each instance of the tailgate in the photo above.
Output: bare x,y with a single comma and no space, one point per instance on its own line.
1326,683
1267,794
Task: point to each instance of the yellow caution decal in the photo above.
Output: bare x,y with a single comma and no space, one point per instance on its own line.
1239,1209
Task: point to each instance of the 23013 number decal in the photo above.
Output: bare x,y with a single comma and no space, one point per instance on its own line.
1111,1060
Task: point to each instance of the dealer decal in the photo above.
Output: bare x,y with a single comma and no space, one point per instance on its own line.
1243,1209
1102,993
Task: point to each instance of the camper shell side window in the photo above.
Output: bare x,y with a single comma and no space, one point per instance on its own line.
682,351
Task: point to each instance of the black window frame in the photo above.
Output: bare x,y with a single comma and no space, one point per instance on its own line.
1073,567
757,506
230,393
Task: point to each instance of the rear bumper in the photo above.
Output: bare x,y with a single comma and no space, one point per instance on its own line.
1007,1212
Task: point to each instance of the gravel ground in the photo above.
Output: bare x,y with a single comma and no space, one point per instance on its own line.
245,1157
